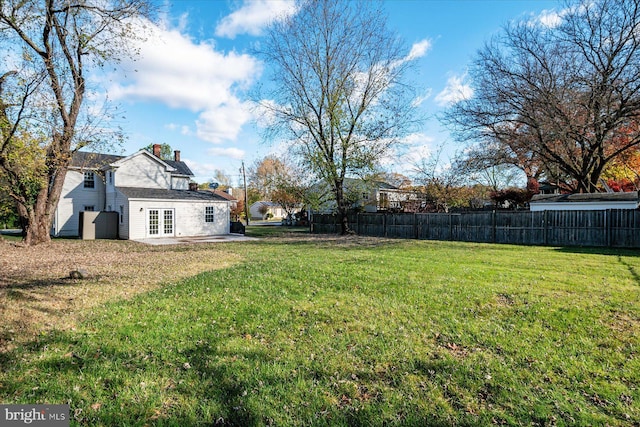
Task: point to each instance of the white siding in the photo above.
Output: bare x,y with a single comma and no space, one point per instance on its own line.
121,205
141,171
275,210
188,217
73,199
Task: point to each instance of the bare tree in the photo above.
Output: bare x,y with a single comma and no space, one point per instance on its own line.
265,173
58,40
281,181
438,180
339,93
562,97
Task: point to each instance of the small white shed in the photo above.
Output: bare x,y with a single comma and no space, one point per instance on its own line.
584,202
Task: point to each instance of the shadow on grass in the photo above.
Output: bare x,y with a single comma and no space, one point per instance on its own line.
218,387
631,269
18,283
217,396
599,251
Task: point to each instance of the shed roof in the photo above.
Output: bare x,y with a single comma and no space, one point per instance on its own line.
586,197
162,194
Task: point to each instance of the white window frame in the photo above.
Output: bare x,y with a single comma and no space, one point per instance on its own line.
209,214
163,222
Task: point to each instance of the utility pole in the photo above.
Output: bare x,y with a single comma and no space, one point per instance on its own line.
246,208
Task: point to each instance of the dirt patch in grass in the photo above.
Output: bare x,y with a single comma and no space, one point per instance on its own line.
36,293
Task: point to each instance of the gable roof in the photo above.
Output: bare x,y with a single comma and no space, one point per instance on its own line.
88,160
585,197
180,167
157,193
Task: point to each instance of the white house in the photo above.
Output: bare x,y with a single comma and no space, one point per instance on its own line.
369,196
586,201
151,196
272,208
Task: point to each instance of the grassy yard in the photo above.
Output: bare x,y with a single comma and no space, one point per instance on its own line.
301,330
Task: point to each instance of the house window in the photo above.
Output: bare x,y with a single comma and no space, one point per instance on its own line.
121,214
110,177
208,214
89,180
89,208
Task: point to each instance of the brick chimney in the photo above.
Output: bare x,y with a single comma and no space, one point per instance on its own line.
193,186
156,150
176,155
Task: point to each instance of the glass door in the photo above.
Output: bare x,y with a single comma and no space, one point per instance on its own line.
160,222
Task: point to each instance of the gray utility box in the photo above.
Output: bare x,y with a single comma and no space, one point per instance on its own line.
98,225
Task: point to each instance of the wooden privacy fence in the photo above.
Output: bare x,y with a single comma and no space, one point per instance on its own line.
610,228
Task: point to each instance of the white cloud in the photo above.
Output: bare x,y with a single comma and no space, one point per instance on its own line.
175,70
231,152
456,90
411,151
421,98
550,18
181,73
420,49
254,16
420,146
201,170
222,122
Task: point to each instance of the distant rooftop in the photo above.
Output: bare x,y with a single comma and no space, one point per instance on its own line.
586,197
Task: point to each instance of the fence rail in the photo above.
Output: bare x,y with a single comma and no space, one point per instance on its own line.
618,228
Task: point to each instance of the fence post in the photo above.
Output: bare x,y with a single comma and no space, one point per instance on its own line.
545,226
493,226
607,227
384,223
415,225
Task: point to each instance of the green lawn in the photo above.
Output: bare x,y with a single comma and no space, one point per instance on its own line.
357,332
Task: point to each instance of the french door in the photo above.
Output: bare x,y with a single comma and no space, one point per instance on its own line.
160,222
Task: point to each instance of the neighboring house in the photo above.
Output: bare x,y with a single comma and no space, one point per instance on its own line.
586,201
152,196
549,188
371,196
272,208
233,202
384,197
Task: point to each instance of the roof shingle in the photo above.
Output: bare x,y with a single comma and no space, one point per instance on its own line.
157,193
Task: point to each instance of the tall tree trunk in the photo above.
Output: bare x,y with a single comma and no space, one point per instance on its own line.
342,210
39,219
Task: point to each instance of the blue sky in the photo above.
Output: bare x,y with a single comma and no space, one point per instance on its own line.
189,86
